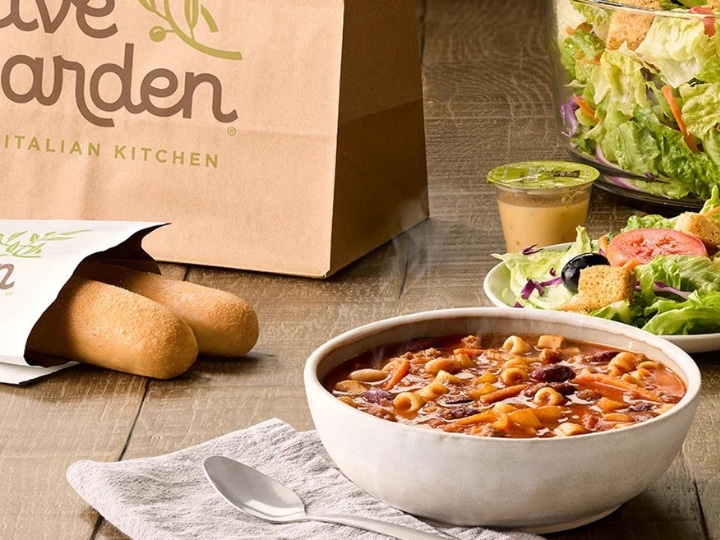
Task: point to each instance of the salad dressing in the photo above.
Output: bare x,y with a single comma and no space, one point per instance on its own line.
542,203
526,225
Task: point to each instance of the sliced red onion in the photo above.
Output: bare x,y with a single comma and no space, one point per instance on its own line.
567,113
530,250
659,286
617,180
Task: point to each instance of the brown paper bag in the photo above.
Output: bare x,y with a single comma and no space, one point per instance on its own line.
274,135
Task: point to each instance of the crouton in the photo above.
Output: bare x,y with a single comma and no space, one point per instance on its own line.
698,225
602,285
630,28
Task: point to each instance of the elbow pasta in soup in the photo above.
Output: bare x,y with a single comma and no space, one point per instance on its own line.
516,386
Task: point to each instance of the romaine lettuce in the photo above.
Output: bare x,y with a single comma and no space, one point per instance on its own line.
678,47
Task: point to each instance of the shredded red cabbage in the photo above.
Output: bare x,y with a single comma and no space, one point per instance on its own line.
532,285
529,287
550,282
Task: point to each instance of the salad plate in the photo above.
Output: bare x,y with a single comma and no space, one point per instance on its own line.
496,284
621,184
647,201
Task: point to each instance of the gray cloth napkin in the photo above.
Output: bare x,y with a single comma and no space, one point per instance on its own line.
168,496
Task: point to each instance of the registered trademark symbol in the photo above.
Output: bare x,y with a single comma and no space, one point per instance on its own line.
231,131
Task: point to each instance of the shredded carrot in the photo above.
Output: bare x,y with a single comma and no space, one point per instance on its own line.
400,371
580,102
677,114
631,264
478,418
503,393
599,380
583,27
603,243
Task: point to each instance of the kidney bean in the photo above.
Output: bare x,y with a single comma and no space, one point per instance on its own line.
377,395
459,412
640,407
565,388
602,357
553,373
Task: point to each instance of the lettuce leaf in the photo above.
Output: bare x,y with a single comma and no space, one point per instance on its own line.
542,267
649,221
700,107
619,79
684,272
699,314
623,312
678,47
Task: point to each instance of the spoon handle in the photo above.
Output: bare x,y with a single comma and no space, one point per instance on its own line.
383,527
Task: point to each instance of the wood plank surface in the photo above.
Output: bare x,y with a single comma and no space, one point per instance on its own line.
488,102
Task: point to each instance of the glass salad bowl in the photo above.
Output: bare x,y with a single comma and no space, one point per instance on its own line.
637,94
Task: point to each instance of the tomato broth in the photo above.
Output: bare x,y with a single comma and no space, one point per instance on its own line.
515,386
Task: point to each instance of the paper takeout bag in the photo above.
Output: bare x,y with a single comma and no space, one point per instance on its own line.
275,135
36,260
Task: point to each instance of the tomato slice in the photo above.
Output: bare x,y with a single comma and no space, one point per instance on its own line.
640,246
708,22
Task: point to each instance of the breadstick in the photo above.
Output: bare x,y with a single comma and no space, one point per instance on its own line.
223,323
109,327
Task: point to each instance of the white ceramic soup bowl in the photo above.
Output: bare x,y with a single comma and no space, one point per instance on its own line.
539,485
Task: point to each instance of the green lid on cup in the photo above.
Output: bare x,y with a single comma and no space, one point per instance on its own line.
543,175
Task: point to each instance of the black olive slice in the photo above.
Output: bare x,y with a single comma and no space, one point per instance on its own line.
571,271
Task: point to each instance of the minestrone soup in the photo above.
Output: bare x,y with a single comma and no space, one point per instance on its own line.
498,386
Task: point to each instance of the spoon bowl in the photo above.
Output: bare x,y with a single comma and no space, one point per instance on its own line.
259,495
252,491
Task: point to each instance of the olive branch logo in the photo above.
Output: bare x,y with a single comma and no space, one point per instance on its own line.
14,245
194,12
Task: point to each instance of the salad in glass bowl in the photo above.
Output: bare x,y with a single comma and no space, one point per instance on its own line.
637,91
675,274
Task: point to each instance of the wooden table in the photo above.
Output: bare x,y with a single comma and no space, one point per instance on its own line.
487,102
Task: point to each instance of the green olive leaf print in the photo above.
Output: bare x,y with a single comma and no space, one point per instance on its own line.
193,13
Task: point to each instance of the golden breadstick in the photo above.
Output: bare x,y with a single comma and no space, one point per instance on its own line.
96,323
223,323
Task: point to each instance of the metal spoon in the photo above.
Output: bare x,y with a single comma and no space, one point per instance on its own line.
259,495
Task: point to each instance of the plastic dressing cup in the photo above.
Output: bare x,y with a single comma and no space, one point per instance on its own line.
542,203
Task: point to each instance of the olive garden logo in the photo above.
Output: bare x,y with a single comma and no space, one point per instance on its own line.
26,245
193,12
159,92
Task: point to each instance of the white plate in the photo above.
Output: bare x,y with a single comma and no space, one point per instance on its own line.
497,281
